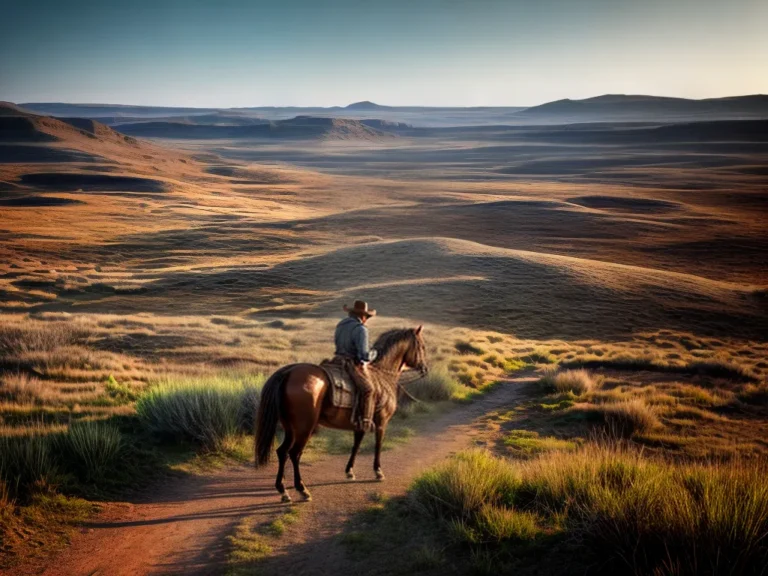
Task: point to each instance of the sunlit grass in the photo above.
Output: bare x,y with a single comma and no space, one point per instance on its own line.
642,515
206,411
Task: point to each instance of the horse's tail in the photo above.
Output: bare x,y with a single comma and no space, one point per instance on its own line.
269,413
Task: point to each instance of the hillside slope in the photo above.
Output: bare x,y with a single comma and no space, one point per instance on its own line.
639,108
298,128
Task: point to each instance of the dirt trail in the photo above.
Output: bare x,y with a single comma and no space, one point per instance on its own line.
182,527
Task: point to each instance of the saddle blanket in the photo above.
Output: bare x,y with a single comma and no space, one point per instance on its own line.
343,390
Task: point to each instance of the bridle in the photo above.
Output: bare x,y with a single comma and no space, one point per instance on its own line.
400,385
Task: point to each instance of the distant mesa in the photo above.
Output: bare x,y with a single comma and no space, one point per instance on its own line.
366,105
298,128
11,109
386,125
25,129
327,128
624,108
614,108
18,125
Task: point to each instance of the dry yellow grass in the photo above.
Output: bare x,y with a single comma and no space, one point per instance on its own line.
620,507
248,267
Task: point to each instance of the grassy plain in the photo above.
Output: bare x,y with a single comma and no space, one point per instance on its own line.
136,276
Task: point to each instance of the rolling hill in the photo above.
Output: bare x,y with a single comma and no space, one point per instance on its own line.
298,128
640,108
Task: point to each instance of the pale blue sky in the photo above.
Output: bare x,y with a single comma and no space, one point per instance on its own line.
397,52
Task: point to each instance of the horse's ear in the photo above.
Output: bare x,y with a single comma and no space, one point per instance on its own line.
418,330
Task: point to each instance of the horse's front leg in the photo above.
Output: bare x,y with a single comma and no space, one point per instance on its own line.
377,458
355,447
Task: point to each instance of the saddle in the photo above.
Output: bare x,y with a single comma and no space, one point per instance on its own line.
343,389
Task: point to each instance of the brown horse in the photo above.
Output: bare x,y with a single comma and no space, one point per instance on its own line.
299,396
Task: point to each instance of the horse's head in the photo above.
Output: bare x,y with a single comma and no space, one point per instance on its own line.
416,353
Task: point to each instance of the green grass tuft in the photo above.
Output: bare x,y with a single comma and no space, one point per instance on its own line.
205,411
576,381
627,417
94,446
638,515
121,393
26,461
528,443
438,385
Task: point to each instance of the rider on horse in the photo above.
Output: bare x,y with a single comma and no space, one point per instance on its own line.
352,351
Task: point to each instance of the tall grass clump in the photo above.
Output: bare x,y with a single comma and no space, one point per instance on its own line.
21,388
472,494
649,516
16,341
207,411
26,460
755,394
576,381
92,447
713,367
627,417
439,384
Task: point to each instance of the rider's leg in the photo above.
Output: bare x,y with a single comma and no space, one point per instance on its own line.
367,398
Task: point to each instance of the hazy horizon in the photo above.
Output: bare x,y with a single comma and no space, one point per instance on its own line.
383,104
426,53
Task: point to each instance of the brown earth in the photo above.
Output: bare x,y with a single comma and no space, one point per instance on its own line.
196,253
181,527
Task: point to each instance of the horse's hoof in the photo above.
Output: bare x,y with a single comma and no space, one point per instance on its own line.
306,495
379,475
285,499
351,475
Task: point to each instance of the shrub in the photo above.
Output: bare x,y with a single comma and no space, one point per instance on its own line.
205,411
576,381
37,337
92,446
698,395
627,417
439,384
539,357
122,393
26,460
21,388
469,348
460,488
499,523
513,364
641,515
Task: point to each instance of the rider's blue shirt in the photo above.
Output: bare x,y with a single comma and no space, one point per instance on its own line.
352,340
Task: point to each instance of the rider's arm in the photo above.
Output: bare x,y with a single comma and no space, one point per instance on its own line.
361,345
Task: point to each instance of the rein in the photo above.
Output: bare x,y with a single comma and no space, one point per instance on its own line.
411,381
401,385
411,396
398,384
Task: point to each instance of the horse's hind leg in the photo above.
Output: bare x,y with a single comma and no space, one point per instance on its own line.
282,455
355,447
380,430
295,453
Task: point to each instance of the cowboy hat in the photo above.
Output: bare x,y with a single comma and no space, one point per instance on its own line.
361,308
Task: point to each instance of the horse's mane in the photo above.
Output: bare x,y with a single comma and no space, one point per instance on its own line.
389,339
